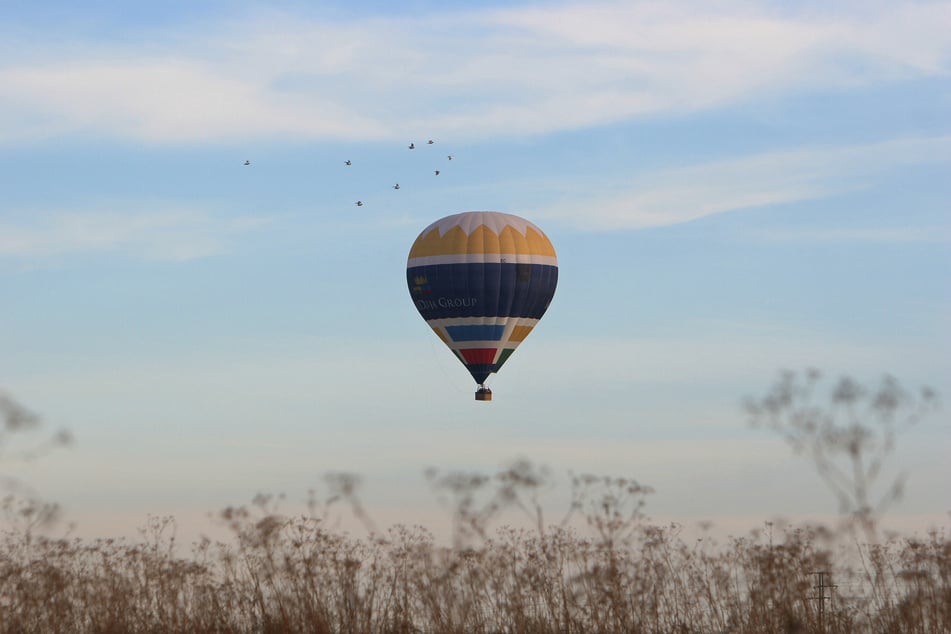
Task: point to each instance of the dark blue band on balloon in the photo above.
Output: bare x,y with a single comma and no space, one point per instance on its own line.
481,372
443,291
475,333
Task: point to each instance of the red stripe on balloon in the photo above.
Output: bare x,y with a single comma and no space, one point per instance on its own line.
479,356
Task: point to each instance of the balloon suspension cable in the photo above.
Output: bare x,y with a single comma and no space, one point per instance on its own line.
483,393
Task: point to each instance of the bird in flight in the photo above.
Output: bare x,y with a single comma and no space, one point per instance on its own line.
348,162
449,157
437,172
359,203
412,146
247,162
397,186
430,142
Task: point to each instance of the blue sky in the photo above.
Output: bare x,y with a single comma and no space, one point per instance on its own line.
733,188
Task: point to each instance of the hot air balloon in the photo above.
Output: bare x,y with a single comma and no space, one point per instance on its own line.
482,280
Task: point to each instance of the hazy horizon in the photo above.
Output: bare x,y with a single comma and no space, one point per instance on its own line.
732,190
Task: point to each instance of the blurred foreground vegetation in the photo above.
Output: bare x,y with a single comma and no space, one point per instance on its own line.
289,574
602,567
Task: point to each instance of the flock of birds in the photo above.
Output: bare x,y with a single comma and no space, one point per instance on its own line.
348,163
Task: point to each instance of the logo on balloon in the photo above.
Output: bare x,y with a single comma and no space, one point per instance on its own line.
446,302
421,285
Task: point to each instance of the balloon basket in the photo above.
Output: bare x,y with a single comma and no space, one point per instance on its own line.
483,394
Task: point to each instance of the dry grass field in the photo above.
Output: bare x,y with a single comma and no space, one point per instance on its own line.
289,574
602,568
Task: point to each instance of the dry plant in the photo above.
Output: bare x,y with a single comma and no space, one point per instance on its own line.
847,431
291,574
20,504
606,570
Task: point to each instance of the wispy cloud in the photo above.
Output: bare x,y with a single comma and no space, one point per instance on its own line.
890,235
674,196
174,234
163,101
508,71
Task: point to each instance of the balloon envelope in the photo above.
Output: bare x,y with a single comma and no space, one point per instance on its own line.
482,280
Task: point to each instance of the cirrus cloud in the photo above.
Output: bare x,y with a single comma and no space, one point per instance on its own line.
169,234
470,74
679,195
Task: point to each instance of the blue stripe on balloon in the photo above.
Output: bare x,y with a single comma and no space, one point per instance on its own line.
479,332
